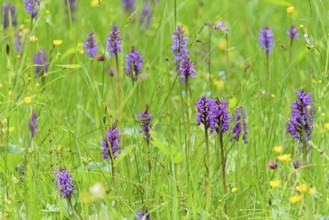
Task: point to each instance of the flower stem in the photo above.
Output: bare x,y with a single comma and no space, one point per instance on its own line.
207,182
209,56
227,54
223,159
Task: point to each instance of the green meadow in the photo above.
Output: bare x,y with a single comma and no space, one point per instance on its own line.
168,166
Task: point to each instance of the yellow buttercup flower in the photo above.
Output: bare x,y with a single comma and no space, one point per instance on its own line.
11,129
95,3
10,93
33,39
57,42
312,191
27,99
275,183
186,29
222,45
296,198
1,85
219,84
234,190
277,149
291,9
80,48
301,187
285,157
326,125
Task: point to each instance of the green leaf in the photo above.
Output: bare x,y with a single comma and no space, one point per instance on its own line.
279,2
161,146
178,158
123,154
69,66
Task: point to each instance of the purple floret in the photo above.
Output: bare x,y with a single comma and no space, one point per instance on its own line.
128,5
240,124
134,63
63,181
6,9
32,7
266,39
293,32
146,119
179,47
113,41
90,46
33,124
41,63
111,141
17,39
205,113
143,215
300,124
146,16
186,69
221,116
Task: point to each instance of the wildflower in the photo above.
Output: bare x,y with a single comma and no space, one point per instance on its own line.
284,157
220,25
97,191
90,46
72,6
95,3
326,125
266,39
179,47
296,198
293,32
312,191
234,190
27,100
11,129
80,48
275,183
219,84
33,39
277,149
17,39
298,163
134,62
291,9
10,93
145,119
146,16
205,113
272,165
186,69
112,141
41,63
100,57
57,42
300,125
6,9
240,122
32,7
113,41
128,5
33,124
301,188
143,215
221,116
63,181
